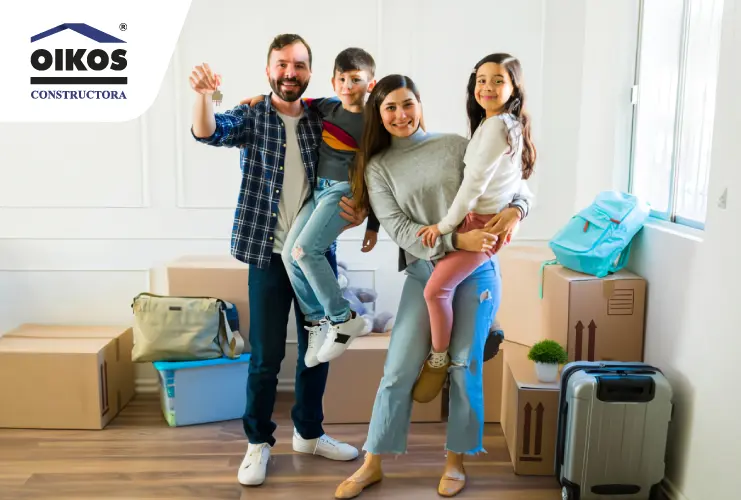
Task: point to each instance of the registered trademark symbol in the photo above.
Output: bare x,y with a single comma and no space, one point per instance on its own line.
122,26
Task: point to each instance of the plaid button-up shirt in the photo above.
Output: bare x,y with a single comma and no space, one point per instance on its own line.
260,134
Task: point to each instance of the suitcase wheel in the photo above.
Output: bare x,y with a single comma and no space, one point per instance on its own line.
568,493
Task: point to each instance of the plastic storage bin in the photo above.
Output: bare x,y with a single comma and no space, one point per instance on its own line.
197,392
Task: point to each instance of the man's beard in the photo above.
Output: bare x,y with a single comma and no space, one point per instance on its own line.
291,95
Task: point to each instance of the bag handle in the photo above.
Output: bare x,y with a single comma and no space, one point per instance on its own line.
157,296
232,343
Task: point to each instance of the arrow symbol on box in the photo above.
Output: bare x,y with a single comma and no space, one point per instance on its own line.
590,347
526,430
539,410
578,341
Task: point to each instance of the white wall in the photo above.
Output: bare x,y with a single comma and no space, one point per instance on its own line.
693,312
87,210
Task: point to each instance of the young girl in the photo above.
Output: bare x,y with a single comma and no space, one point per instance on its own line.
499,156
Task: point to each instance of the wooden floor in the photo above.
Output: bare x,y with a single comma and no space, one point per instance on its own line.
139,457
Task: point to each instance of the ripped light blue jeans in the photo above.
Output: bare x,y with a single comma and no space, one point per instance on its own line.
316,227
475,304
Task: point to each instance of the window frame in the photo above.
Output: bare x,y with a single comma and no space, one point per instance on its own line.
670,215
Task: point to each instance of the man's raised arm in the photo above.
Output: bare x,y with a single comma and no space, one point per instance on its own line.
204,83
225,129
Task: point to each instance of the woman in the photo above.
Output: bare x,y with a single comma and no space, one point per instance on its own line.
411,179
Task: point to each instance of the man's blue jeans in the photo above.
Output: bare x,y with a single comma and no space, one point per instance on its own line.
271,297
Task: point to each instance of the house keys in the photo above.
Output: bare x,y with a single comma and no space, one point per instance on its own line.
217,97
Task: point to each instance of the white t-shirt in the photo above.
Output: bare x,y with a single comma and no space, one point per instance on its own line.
492,174
295,188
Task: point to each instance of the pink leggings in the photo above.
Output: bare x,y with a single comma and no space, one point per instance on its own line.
449,272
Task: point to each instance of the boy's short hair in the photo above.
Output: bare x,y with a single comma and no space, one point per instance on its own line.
354,59
286,39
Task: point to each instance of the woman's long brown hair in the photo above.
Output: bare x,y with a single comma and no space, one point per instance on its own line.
515,106
375,136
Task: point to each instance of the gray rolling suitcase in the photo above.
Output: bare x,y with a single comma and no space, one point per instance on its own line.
612,430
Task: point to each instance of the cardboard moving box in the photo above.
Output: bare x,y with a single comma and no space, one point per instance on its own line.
493,372
122,337
529,414
50,383
218,276
353,383
593,318
521,310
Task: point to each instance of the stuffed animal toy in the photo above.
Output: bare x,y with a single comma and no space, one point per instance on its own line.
362,301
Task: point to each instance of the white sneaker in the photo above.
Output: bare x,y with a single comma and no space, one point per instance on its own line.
316,338
255,464
324,446
339,337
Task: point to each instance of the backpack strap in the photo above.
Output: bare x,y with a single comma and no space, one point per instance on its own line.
542,271
623,259
233,344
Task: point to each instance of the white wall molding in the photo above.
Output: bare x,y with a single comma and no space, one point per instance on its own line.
142,138
180,127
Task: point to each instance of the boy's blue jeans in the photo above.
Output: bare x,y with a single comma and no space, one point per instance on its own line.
475,305
317,226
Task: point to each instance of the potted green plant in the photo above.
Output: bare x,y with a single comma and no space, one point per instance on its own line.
547,355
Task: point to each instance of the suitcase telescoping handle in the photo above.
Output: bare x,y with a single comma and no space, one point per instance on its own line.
604,367
619,388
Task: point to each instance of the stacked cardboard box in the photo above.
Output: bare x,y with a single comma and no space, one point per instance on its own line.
493,371
521,309
64,376
529,414
218,276
594,319
353,382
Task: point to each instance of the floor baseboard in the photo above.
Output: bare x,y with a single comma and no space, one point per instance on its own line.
151,385
671,492
146,386
286,385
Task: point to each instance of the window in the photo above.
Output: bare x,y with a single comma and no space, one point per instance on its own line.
674,106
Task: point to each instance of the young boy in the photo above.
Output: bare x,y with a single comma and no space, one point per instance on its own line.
318,224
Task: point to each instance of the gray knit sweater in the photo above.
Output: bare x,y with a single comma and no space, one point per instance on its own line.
412,184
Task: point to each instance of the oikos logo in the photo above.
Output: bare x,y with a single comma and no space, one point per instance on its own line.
66,72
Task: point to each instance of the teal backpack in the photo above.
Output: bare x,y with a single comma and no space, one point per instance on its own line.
597,240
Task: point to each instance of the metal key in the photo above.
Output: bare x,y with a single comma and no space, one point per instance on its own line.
216,97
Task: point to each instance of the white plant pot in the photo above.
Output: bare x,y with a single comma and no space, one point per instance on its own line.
546,372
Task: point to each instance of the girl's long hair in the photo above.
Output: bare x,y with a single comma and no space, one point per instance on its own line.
375,136
515,106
